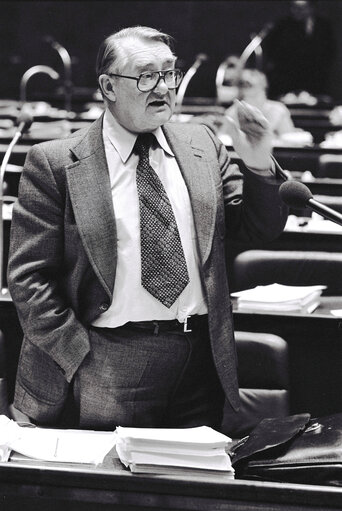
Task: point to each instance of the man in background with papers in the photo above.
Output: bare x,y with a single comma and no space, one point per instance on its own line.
107,334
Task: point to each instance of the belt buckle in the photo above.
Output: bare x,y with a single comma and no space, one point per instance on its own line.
185,328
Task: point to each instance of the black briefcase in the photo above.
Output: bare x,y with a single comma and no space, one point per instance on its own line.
294,449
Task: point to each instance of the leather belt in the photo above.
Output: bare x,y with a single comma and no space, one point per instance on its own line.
188,325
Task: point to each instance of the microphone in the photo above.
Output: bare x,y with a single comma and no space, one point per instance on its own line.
265,30
255,45
297,195
67,65
23,121
200,58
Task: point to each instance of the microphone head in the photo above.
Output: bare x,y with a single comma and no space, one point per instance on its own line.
295,194
266,29
202,57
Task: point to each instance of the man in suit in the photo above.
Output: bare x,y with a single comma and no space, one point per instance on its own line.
117,258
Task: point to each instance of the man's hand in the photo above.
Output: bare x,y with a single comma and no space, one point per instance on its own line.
252,138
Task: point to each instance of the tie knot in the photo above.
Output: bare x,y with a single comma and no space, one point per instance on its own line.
143,144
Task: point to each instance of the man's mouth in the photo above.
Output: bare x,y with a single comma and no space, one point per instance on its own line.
158,103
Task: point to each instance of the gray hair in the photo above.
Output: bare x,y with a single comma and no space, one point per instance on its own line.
109,49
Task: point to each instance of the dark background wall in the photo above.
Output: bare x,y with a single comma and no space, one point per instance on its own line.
218,28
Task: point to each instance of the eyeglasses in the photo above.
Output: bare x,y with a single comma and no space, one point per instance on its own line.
149,80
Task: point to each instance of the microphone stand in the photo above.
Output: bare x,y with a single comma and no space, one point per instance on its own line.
325,211
255,47
31,72
188,75
67,65
4,294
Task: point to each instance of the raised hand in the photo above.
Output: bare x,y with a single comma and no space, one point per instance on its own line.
252,137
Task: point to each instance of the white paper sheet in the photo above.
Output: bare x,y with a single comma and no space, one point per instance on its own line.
59,445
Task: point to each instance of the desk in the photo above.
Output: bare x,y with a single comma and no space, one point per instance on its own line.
296,159
315,353
18,154
317,127
323,185
307,240
41,486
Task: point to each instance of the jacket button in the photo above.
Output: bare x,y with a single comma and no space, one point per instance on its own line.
104,307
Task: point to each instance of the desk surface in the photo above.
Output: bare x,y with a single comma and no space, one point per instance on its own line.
323,311
41,485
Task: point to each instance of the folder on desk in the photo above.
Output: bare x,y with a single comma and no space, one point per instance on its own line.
279,298
200,450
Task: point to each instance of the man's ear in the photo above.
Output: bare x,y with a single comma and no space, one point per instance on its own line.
107,88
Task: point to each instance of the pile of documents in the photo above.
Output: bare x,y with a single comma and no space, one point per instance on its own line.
200,450
57,445
279,298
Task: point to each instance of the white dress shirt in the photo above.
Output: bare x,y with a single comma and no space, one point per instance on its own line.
131,302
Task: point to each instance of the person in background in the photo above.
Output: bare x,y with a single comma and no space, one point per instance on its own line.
117,259
252,88
227,91
299,52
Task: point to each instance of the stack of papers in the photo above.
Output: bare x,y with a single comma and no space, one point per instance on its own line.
198,450
57,445
278,297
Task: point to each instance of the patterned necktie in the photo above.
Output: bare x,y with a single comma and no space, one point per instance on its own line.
163,267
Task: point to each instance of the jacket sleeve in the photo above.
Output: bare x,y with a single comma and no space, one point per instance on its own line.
36,265
254,210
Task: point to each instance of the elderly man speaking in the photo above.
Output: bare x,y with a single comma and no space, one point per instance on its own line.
117,257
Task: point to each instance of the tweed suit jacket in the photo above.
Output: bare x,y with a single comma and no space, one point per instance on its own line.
62,262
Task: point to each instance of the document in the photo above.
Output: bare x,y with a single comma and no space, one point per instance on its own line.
174,451
58,445
279,297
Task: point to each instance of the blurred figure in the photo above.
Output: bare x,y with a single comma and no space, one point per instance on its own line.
226,80
252,88
299,52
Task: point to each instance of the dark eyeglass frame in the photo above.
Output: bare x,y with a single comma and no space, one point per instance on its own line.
161,76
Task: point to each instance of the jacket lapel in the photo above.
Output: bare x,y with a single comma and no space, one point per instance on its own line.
196,172
90,195
91,198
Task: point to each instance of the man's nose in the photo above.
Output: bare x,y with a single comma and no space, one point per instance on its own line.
161,86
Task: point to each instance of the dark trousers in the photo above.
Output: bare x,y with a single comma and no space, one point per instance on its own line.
135,376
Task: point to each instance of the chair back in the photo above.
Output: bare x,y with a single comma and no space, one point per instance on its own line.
330,165
263,375
294,268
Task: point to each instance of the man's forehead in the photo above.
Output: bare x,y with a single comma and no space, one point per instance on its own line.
141,55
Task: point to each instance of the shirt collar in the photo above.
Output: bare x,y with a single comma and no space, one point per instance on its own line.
123,140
